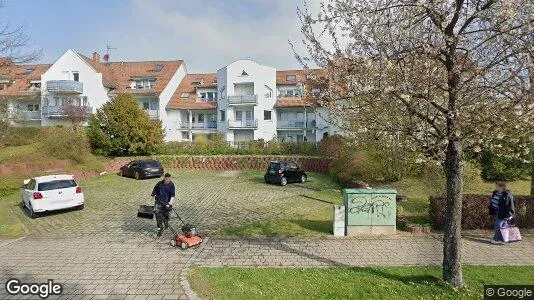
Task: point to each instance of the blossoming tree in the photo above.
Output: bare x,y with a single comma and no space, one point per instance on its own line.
444,75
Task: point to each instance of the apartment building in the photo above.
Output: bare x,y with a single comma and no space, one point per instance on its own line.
38,94
248,101
243,101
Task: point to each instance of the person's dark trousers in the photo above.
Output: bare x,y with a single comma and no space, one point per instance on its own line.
162,216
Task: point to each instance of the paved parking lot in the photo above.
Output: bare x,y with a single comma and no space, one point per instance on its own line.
105,251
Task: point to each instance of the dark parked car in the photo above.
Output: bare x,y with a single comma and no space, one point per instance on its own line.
284,172
140,169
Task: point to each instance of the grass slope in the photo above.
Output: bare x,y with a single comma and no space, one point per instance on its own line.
348,283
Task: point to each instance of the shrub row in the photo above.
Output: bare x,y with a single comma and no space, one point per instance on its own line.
218,147
475,212
17,136
237,162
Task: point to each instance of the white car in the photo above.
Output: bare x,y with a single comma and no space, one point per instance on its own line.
52,192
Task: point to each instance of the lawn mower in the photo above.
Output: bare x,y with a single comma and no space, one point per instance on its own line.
188,237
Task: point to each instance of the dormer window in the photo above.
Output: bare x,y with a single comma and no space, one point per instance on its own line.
4,84
144,83
184,95
35,84
311,77
291,78
215,80
197,81
27,71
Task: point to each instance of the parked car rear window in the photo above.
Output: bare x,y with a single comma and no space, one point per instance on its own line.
56,185
152,164
274,167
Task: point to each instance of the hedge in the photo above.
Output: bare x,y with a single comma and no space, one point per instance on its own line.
475,212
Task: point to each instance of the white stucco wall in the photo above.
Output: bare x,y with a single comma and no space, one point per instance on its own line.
169,122
62,69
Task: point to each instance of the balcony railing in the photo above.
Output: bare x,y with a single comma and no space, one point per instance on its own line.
243,100
64,86
152,113
251,123
25,115
51,111
296,124
198,126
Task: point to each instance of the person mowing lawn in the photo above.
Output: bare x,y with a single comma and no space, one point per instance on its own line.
163,195
502,207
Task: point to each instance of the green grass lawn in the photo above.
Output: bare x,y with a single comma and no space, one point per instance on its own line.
317,221
349,283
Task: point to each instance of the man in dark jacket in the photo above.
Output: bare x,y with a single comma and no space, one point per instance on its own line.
163,195
502,207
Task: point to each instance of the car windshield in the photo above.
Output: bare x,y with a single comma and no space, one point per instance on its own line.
152,164
56,185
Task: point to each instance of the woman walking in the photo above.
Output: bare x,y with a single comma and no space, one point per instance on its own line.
502,207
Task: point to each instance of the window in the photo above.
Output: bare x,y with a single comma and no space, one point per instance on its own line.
184,95
27,71
291,78
238,115
293,166
146,105
197,81
212,118
316,91
267,115
223,115
35,84
201,118
289,93
84,101
56,185
244,73
192,118
311,76
33,107
76,76
157,68
185,135
31,185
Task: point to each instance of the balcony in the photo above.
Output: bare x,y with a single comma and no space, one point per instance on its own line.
296,124
243,124
199,126
64,87
243,100
57,111
152,113
25,115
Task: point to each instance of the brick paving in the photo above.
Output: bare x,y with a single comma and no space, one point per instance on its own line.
425,250
105,252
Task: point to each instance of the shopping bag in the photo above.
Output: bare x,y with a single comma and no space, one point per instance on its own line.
510,234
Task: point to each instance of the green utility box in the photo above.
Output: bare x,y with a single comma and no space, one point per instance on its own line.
370,211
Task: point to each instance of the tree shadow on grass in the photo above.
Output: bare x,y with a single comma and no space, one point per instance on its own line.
406,279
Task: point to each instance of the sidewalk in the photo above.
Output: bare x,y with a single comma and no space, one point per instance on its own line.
422,250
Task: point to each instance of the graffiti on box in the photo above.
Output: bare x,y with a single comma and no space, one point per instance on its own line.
375,206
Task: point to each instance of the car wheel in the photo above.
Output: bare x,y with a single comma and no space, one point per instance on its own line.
137,176
283,181
80,207
184,246
32,214
303,178
123,174
266,181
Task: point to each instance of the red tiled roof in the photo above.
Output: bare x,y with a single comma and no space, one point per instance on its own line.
20,77
187,86
301,76
118,75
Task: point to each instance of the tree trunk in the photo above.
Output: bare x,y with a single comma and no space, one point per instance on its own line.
532,179
452,243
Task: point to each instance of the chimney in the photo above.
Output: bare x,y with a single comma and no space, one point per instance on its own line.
96,57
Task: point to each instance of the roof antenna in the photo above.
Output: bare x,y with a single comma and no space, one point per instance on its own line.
108,47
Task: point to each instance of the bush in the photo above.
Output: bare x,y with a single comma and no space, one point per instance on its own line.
122,128
65,143
17,136
332,146
475,211
495,168
432,175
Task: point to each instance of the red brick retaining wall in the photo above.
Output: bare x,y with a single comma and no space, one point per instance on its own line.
237,162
